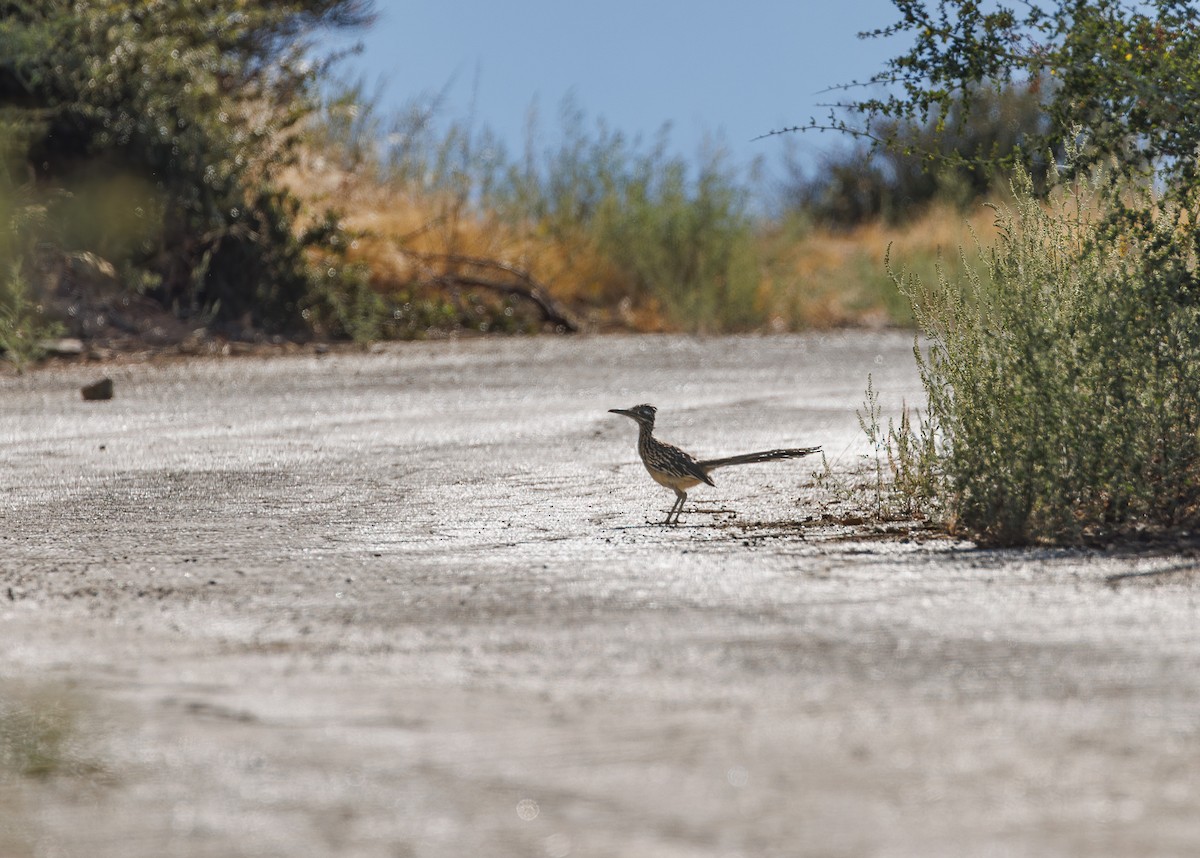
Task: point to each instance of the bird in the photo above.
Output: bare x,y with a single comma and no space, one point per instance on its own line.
679,471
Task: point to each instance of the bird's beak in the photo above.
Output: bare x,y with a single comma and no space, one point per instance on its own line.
620,411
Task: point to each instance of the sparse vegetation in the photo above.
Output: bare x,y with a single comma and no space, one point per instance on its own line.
1062,384
243,193
618,231
622,233
24,327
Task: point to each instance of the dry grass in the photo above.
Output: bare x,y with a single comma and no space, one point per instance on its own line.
820,278
809,277
404,234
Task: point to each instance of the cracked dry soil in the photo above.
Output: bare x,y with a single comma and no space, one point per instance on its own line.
416,603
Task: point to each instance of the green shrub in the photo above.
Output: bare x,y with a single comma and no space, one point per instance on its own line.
1063,384
168,125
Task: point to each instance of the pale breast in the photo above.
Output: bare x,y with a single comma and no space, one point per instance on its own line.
672,481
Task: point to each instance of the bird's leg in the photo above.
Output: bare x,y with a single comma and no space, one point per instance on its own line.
680,498
671,511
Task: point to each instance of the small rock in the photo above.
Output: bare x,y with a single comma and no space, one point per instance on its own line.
102,389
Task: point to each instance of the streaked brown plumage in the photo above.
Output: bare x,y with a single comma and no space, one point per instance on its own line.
671,467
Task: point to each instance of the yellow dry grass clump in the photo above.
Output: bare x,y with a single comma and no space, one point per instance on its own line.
825,278
408,237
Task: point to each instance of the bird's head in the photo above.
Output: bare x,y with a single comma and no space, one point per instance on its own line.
643,414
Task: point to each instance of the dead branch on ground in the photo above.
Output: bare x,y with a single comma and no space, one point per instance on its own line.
513,281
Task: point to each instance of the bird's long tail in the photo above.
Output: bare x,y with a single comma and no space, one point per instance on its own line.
764,456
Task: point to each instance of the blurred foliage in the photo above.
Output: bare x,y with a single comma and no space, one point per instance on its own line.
621,230
678,237
958,160
1124,74
42,734
200,148
24,325
166,124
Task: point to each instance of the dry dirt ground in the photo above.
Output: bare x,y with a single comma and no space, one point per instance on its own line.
416,603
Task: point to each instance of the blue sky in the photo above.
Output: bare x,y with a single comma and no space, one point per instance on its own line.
705,67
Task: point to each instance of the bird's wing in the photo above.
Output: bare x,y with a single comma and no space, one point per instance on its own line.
687,466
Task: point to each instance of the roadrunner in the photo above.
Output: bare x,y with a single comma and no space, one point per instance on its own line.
675,469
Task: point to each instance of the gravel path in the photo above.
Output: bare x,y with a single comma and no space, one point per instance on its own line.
416,603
